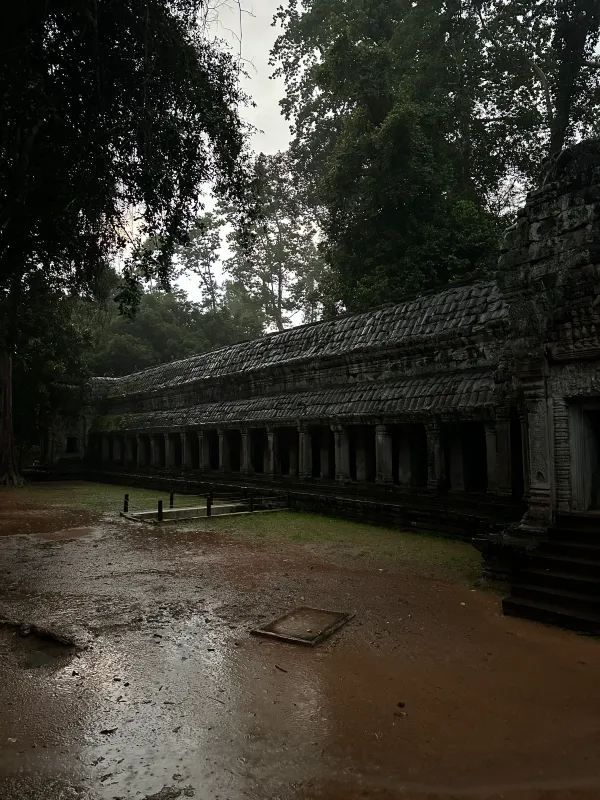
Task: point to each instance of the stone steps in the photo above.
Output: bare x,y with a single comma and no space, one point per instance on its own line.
559,583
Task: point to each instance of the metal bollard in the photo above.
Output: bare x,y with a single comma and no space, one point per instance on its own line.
171,499
126,503
160,511
209,501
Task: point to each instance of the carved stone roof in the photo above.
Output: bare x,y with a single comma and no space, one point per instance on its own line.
458,311
423,396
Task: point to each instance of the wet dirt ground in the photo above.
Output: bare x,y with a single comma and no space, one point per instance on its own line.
427,693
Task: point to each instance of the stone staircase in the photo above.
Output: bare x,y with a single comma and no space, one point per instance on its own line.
559,583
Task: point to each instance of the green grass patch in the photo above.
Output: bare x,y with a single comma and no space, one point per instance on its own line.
450,558
96,497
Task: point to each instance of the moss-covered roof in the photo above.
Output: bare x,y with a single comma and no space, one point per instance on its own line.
447,393
458,311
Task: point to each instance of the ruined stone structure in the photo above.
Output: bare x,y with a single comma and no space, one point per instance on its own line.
490,389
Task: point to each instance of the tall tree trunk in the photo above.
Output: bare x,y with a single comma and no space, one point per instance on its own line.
573,28
9,473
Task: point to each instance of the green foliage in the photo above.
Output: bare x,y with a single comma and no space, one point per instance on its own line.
166,327
109,107
418,125
274,255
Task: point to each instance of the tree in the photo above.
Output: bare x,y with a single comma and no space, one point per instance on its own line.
115,115
275,257
417,126
200,256
544,53
166,327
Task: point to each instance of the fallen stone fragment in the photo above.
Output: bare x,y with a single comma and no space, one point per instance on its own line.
166,793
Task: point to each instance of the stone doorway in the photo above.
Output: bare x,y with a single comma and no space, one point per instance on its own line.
585,458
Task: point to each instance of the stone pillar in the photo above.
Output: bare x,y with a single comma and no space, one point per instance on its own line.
169,452
503,456
224,460
117,450
304,452
154,452
383,454
436,470
342,453
245,466
140,452
539,515
203,453
293,456
270,453
361,455
105,449
491,454
324,456
186,452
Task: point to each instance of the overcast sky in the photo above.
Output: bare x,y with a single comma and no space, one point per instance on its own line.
257,38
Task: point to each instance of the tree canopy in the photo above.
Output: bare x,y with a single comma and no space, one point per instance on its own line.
115,115
416,125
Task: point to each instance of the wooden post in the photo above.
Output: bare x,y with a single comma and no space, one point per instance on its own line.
159,515
251,502
209,501
171,499
126,503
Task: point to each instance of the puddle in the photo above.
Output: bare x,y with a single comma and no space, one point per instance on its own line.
35,652
65,533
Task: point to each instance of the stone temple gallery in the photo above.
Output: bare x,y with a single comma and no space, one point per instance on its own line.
475,410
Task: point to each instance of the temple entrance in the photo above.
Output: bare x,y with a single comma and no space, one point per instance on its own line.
585,458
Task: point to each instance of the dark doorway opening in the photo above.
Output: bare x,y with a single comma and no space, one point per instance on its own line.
213,449
258,448
472,436
234,445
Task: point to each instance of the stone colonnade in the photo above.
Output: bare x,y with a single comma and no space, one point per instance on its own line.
436,454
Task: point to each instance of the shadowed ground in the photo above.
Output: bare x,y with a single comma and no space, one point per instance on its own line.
428,693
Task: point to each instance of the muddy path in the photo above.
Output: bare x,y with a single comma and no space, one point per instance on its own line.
428,693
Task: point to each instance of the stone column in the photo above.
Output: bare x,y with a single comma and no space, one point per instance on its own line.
245,466
224,460
503,456
324,455
117,450
105,449
539,515
383,455
270,453
140,452
491,454
361,455
293,456
169,451
304,452
154,451
186,452
436,470
342,453
203,454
